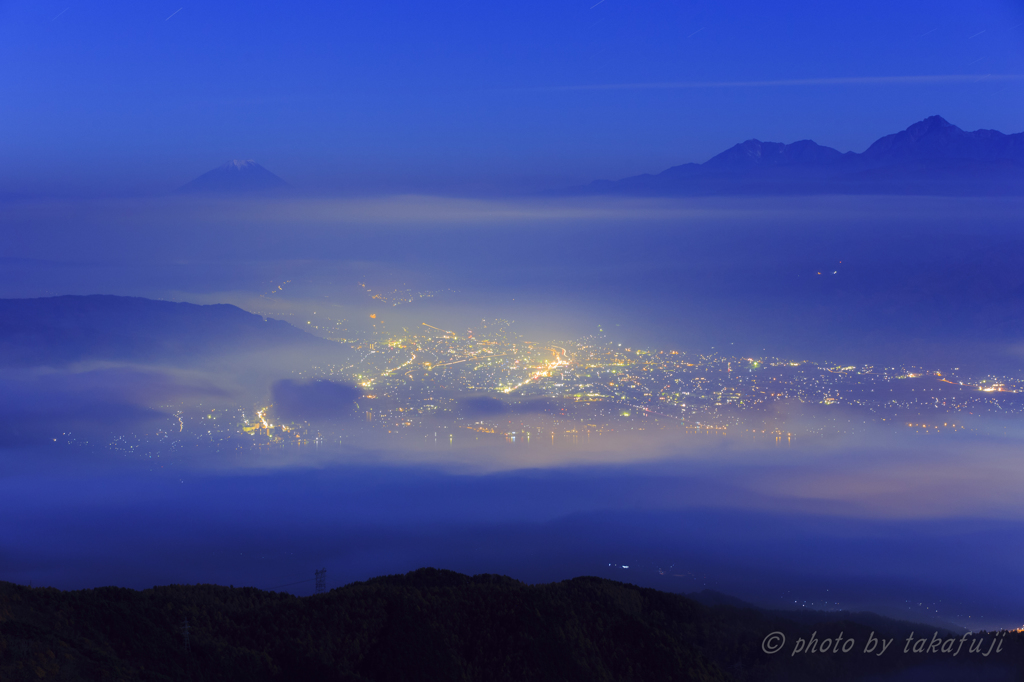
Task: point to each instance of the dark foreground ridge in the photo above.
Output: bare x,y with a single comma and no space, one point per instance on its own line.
441,625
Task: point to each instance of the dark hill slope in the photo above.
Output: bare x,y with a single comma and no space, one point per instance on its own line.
65,329
426,625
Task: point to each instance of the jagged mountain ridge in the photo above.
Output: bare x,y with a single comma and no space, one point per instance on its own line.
932,156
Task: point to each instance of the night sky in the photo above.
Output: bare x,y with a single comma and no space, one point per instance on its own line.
125,97
427,146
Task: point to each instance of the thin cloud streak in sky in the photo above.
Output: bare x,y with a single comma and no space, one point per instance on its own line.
856,80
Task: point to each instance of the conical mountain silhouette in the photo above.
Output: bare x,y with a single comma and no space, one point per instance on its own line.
236,177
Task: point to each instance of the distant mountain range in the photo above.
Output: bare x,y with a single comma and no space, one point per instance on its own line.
236,177
932,156
65,329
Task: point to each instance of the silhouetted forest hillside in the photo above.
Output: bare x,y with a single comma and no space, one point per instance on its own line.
440,625
64,329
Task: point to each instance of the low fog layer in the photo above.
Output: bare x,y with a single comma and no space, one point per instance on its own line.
209,446
913,279
674,527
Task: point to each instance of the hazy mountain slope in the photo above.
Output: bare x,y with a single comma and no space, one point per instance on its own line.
65,329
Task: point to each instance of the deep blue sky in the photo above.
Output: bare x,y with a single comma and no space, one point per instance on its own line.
455,96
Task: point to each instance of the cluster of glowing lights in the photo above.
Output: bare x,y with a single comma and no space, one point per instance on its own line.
388,372
263,420
559,361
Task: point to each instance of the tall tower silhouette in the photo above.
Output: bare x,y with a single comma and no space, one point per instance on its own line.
321,580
